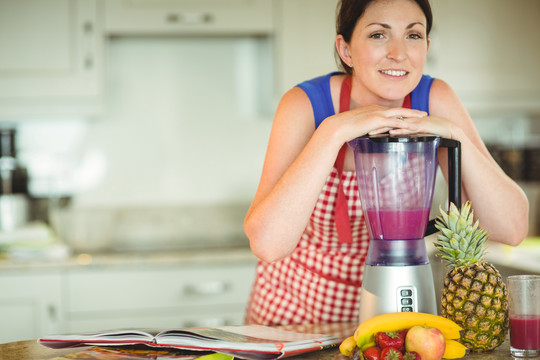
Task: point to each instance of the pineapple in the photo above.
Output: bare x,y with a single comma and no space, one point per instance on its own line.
474,294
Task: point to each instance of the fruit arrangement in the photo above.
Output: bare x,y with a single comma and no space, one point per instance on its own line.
405,336
474,294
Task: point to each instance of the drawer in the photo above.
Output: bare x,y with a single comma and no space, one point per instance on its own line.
170,318
157,288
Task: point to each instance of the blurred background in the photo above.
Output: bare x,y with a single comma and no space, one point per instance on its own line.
138,126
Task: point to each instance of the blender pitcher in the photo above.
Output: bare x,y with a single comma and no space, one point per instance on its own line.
396,179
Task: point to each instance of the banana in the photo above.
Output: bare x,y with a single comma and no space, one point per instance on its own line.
368,345
216,356
454,350
366,331
347,346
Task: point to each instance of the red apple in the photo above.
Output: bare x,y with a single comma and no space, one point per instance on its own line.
428,342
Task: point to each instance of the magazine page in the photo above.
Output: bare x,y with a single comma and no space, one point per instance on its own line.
250,342
243,334
112,337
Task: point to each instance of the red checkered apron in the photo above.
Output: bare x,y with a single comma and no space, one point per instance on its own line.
320,282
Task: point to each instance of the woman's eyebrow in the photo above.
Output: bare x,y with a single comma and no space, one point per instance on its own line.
387,26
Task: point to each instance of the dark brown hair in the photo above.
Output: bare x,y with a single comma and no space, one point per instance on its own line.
349,11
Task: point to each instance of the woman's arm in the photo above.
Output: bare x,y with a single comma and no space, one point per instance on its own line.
297,163
498,201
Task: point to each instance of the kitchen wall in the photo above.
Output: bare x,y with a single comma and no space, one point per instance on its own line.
187,119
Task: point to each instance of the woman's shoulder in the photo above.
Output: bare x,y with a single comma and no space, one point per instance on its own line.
444,101
321,92
440,87
442,93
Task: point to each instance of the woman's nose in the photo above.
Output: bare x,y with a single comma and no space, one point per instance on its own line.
397,51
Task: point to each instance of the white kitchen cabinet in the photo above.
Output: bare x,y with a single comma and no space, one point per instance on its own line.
187,17
51,59
492,69
159,297
30,304
305,40
179,289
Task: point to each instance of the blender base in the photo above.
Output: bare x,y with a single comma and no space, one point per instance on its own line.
388,289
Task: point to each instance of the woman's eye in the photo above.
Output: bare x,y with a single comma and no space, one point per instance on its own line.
376,36
415,36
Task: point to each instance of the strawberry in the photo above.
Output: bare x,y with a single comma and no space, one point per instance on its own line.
372,353
411,355
389,339
391,353
402,334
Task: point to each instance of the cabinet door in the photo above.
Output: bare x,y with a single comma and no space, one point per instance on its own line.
305,40
51,60
30,305
189,17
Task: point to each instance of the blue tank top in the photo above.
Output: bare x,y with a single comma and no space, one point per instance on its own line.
318,91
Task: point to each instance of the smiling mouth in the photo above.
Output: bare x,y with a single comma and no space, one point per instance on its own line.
394,72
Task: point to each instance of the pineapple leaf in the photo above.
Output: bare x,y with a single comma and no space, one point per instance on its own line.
443,219
464,245
453,218
454,243
447,233
462,224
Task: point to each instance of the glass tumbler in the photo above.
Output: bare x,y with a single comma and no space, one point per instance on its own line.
524,313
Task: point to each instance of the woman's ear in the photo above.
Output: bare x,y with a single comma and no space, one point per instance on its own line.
343,50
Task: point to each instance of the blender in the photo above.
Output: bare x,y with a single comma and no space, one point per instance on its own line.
396,179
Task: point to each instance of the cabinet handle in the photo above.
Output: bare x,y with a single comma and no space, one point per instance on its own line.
206,289
51,309
52,321
205,322
88,29
189,18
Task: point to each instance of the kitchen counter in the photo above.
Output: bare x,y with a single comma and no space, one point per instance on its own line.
215,255
509,260
31,350
524,258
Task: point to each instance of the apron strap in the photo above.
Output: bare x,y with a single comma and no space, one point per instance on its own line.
341,211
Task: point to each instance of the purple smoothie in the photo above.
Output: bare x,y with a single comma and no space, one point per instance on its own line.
398,225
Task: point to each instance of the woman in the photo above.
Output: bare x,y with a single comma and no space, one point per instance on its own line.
310,273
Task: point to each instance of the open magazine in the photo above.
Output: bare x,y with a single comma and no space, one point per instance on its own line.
255,342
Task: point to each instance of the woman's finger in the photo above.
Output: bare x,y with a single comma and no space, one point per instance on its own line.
402,113
379,131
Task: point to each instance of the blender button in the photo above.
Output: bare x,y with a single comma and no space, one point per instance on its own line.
406,301
406,292
406,309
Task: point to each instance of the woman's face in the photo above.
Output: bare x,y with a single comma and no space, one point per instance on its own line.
388,49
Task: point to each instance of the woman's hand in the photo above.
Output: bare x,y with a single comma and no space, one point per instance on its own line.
376,119
426,125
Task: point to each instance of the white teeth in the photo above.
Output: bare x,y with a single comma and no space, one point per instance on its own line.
394,72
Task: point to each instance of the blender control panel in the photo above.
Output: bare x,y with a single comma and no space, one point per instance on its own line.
406,299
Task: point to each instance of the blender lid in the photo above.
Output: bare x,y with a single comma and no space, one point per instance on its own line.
387,138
